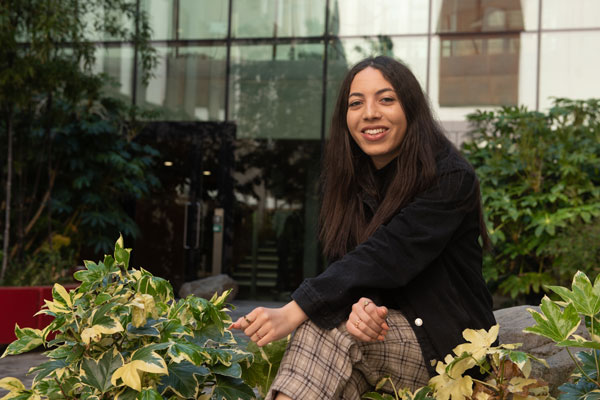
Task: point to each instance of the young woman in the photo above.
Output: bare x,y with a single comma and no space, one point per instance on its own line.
401,223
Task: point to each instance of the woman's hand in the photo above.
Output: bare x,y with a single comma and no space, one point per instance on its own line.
367,321
265,325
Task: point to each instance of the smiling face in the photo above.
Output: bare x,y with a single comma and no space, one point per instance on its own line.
375,117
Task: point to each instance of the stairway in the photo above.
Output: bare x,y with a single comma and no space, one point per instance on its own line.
266,268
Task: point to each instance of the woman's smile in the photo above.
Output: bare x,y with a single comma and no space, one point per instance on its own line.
375,117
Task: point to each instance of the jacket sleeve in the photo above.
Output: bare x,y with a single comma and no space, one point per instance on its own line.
393,255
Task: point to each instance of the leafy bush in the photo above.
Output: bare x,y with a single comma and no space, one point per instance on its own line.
540,180
261,372
507,373
121,335
558,321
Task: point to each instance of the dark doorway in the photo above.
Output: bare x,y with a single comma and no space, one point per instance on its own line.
176,221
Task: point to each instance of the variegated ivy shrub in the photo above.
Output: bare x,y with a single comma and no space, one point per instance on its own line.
121,335
559,320
507,372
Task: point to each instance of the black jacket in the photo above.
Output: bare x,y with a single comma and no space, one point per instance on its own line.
425,262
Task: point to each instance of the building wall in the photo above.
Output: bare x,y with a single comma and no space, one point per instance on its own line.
273,67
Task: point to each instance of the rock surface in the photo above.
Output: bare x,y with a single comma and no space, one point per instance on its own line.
207,287
513,321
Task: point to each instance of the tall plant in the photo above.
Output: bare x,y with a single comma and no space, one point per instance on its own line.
122,335
540,180
46,82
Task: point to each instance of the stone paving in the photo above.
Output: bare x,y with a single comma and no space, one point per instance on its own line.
17,366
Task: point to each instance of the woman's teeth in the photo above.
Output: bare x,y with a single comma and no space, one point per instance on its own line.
374,131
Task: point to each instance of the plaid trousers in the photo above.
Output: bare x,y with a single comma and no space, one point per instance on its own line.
332,364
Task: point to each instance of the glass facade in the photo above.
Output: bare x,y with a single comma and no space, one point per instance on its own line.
269,70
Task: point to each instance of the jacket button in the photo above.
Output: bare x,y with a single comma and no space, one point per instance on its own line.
418,322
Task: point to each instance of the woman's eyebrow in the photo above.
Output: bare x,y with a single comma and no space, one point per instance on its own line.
376,93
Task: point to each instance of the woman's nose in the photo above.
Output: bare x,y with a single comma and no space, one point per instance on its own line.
371,111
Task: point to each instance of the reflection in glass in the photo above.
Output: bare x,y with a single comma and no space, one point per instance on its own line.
569,66
560,14
275,90
116,62
479,69
275,212
479,16
278,18
187,19
189,84
382,17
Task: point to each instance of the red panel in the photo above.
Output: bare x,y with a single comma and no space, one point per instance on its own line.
19,304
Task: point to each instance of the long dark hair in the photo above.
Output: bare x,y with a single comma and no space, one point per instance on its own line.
347,170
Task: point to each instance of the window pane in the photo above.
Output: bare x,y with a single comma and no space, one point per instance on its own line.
558,14
160,13
203,19
478,16
569,66
117,62
189,84
461,84
383,17
278,18
275,90
344,53
187,19
479,70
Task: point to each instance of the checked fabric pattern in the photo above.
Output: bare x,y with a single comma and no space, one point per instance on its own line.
330,364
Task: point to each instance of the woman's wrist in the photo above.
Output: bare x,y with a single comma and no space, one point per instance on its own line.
295,314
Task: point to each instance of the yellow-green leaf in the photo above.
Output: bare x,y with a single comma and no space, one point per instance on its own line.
61,292
55,307
130,376
11,384
27,339
518,384
479,342
95,332
130,372
446,388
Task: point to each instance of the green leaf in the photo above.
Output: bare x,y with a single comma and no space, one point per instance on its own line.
584,296
582,390
183,379
211,333
157,287
47,368
232,389
552,323
588,362
121,254
145,330
233,371
102,298
69,352
27,340
149,394
147,353
188,351
98,373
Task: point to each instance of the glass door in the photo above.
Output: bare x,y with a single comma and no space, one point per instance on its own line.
192,206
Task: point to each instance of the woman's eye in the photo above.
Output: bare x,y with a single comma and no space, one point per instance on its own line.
354,103
387,99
